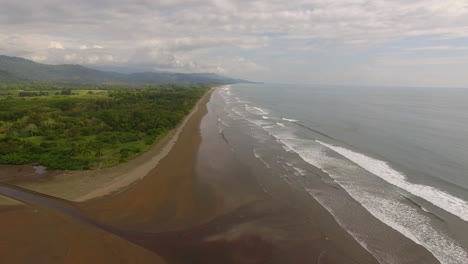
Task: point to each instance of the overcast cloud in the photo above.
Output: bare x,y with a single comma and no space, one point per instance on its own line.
395,42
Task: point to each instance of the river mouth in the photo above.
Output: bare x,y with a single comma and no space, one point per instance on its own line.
253,233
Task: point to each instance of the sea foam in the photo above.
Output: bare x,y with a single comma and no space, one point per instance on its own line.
441,199
290,120
258,156
280,124
256,110
385,207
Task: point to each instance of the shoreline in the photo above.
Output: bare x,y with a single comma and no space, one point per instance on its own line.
215,207
80,186
170,196
54,233
203,204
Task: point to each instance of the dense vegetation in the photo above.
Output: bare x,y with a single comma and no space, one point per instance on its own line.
77,128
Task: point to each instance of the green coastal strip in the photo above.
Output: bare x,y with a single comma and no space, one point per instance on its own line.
75,128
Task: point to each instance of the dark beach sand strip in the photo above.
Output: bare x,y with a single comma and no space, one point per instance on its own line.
191,209
169,196
32,233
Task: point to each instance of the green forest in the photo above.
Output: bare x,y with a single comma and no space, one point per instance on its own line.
87,127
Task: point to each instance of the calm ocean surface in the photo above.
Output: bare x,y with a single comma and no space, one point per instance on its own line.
399,153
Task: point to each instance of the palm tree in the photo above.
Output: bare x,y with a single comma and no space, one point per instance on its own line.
74,149
98,147
86,148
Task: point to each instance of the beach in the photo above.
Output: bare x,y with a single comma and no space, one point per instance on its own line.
196,202
366,168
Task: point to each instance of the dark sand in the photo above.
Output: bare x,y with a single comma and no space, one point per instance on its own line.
13,173
193,207
36,234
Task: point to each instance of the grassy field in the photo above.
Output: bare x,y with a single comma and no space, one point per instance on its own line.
14,94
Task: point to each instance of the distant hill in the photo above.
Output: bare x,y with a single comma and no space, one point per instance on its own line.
15,69
7,77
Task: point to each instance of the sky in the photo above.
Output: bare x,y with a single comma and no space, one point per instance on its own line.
351,42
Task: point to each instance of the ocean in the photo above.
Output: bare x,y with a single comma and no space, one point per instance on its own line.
389,163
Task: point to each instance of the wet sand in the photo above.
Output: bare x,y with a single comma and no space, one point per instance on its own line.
198,205
34,234
25,173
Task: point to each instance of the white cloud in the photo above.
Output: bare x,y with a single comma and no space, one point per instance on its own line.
439,48
71,57
39,58
268,38
56,45
85,47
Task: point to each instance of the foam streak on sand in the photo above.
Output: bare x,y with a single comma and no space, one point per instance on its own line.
258,156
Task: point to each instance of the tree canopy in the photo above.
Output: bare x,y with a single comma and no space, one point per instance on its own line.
77,128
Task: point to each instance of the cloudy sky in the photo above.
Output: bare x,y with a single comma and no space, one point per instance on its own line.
393,42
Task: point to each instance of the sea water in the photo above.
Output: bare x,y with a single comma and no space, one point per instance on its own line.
400,153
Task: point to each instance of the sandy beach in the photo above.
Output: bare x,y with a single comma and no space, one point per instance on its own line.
190,199
36,234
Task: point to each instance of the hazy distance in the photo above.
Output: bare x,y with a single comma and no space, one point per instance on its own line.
353,42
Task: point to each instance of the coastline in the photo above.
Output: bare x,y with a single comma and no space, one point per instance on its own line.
38,232
170,196
207,205
80,186
201,204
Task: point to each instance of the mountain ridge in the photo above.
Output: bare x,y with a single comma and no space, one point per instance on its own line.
17,69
